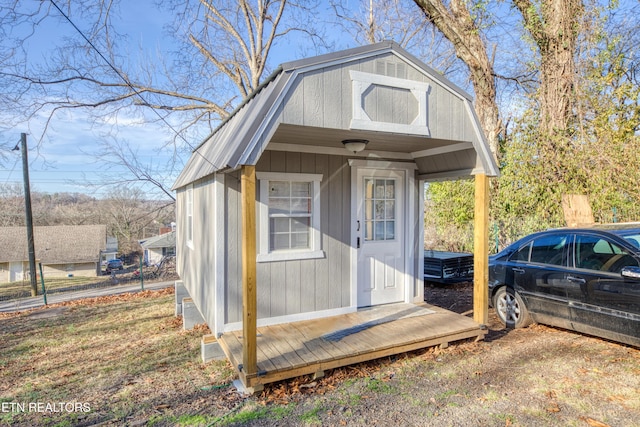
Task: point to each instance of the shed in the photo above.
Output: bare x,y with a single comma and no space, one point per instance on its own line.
307,202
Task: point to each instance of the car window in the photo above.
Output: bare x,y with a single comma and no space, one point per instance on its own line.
597,253
522,254
544,250
549,249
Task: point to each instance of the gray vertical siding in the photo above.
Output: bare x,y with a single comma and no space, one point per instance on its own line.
196,265
283,287
298,286
322,98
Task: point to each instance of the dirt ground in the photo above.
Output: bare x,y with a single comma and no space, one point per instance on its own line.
537,376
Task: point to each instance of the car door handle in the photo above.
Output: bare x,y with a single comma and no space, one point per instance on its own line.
518,270
579,280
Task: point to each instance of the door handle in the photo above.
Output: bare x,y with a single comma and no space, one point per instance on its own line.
518,270
358,226
579,280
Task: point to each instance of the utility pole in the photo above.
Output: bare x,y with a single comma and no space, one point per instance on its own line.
29,216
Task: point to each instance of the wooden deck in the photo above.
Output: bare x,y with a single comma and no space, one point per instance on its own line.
308,347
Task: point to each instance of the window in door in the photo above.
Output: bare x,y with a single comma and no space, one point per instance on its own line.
596,253
551,250
379,209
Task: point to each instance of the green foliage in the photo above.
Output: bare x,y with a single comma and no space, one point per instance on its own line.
599,155
450,213
455,198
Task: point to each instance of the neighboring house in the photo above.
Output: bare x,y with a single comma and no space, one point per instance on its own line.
62,250
157,247
326,228
111,251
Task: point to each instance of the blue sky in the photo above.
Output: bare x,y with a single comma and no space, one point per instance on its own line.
62,160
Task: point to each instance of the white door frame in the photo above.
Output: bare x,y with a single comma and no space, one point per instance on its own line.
408,212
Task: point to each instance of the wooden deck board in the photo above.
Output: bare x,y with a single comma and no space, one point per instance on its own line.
289,350
322,349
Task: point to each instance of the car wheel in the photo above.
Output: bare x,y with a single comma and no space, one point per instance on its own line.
511,309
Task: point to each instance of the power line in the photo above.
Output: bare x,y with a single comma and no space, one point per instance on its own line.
11,171
126,81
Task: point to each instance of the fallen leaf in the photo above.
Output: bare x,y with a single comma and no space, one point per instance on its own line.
594,423
553,407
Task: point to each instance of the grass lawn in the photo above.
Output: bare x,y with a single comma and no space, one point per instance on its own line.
10,289
124,360
109,360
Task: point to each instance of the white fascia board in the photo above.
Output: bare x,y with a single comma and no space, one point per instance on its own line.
442,150
338,151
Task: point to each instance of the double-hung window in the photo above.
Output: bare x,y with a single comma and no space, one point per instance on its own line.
289,226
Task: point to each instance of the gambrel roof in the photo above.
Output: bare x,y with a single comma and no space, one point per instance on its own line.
318,102
56,244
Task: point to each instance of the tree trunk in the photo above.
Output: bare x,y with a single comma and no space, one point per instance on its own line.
457,25
554,27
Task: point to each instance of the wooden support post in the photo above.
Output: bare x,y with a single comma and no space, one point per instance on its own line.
481,251
249,299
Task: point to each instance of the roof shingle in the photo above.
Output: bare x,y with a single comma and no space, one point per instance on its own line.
56,244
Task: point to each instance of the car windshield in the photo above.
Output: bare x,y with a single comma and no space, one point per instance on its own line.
631,236
634,239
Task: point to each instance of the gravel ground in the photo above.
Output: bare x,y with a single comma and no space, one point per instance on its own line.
538,376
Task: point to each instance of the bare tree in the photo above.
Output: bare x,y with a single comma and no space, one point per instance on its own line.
222,54
219,42
372,21
457,24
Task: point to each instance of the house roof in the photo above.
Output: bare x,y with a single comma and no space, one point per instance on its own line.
244,135
58,244
167,240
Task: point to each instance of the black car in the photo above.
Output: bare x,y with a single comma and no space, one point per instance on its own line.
114,264
586,280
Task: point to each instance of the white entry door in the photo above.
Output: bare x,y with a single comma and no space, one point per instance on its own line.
380,236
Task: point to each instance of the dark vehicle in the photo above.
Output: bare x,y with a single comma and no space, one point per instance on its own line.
586,280
114,264
448,267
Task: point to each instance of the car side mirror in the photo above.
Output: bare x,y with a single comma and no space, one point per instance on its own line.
631,272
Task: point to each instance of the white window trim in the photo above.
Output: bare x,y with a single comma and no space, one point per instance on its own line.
189,213
264,255
361,81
